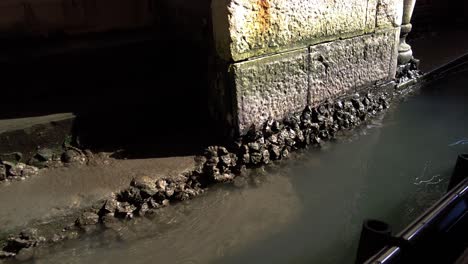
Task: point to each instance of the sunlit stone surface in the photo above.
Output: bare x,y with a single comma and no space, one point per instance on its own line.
249,28
273,86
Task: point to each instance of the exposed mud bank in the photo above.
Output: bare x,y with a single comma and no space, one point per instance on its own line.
260,147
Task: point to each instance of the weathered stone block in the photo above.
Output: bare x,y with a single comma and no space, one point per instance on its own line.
346,65
248,28
270,87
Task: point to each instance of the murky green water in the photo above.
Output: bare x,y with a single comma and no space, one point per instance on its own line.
309,209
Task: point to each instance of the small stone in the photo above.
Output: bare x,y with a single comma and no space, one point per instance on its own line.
307,123
169,192
132,195
348,105
339,105
283,136
222,151
29,171
316,140
56,238
87,219
183,196
290,142
143,209
322,110
153,204
226,160
29,233
200,163
267,129
223,178
110,206
16,169
366,102
291,120
71,156
244,149
256,158
292,134
254,146
307,113
306,134
165,202
211,171
3,172
275,153
213,161
261,140
324,134
44,154
72,235
266,156
300,136
233,159
285,153
321,119
125,210
276,126
253,134
315,127
273,139
211,152
146,185
246,158
161,184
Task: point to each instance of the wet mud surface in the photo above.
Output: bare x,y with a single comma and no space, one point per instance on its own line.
300,210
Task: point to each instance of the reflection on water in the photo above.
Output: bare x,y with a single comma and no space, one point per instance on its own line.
310,209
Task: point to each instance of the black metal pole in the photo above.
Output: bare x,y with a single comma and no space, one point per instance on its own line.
460,172
375,235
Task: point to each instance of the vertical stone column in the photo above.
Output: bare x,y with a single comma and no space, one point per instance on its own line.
405,54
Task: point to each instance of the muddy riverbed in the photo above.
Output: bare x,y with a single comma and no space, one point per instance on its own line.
310,208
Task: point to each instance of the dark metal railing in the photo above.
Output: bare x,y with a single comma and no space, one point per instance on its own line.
437,236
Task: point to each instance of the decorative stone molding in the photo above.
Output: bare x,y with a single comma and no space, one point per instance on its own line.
405,54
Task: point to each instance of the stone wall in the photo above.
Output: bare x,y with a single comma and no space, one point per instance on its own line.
284,55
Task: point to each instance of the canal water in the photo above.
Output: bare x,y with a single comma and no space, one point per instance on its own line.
308,209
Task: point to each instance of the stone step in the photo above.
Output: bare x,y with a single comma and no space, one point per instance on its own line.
20,138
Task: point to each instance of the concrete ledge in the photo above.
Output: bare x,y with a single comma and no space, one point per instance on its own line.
25,135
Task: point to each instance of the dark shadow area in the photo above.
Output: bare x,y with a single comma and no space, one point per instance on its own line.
148,97
438,15
440,32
